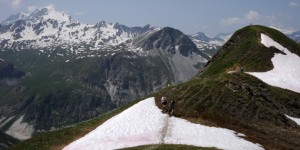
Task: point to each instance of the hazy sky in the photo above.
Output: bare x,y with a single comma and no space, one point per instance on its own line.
189,16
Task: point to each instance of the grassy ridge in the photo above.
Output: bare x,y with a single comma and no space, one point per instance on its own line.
245,49
242,103
239,101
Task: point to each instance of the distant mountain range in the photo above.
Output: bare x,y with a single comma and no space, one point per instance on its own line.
209,44
295,36
47,27
58,71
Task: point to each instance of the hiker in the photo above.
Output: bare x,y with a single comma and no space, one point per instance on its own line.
172,105
164,102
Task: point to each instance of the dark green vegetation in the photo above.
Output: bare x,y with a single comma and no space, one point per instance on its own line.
240,101
8,70
58,139
56,93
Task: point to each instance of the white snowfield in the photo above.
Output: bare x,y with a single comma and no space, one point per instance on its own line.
296,120
144,124
286,71
20,130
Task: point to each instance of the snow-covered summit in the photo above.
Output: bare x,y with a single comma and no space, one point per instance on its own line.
218,39
47,27
209,44
48,12
286,72
13,18
39,15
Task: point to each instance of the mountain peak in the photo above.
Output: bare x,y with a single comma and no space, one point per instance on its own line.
218,39
201,36
228,97
13,18
40,14
244,49
167,38
48,12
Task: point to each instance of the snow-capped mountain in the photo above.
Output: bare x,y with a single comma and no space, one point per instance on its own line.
84,70
217,40
13,18
209,44
186,58
47,27
295,36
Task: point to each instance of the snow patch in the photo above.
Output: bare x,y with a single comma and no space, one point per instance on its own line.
20,130
230,72
184,132
144,124
297,120
56,15
60,54
241,135
286,71
6,121
176,48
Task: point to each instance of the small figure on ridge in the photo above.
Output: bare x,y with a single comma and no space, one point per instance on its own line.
172,105
164,102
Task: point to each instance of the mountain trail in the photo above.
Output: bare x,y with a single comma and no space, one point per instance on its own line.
165,130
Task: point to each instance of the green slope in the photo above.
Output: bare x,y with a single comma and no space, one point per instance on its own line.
56,93
244,49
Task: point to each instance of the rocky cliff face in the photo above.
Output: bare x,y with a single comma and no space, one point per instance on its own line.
177,51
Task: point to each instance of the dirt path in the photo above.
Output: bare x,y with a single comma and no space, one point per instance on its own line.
165,130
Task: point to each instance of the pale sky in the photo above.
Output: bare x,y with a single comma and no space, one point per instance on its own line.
189,16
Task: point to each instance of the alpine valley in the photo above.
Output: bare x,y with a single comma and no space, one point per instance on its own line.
56,71
61,79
